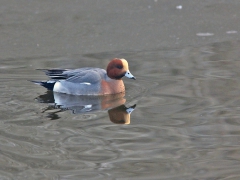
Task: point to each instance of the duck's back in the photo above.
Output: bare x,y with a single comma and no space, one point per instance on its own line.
83,81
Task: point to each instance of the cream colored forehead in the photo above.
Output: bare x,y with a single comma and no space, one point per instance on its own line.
125,63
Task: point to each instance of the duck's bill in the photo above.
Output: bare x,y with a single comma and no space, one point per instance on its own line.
129,75
130,109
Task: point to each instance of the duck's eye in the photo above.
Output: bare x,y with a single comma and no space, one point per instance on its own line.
119,66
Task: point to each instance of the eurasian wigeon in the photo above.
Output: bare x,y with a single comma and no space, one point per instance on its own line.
88,81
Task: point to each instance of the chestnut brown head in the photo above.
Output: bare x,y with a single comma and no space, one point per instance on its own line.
117,68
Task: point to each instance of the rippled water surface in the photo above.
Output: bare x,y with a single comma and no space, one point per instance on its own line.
185,125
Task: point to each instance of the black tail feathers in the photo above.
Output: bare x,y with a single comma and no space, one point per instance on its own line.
47,84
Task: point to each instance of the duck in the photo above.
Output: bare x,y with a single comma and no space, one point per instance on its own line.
88,80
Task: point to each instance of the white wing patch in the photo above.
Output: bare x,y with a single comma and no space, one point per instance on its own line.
88,106
86,83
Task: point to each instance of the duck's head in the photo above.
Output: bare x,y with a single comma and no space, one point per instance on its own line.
117,68
121,114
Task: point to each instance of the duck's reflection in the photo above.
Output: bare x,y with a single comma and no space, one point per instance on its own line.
117,111
121,114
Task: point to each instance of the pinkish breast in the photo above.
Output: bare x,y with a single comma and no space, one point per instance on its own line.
112,87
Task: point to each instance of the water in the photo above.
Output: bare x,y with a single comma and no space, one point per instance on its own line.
185,124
